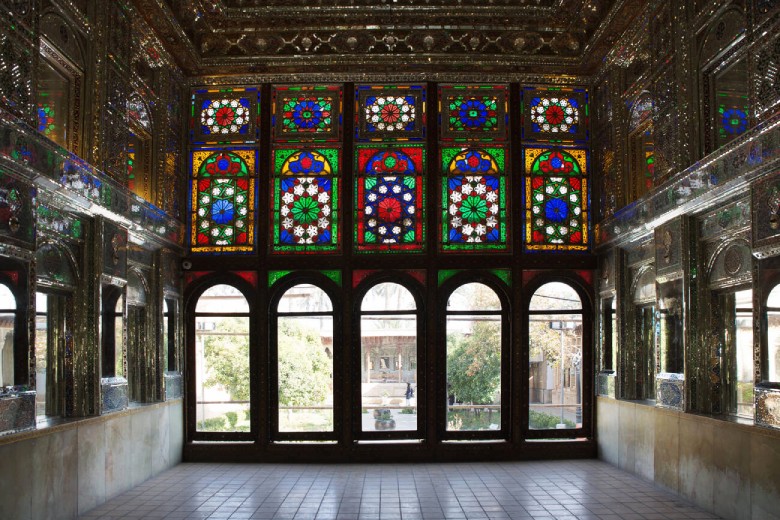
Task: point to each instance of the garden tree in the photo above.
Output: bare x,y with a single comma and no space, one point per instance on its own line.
227,357
304,368
474,363
305,372
544,341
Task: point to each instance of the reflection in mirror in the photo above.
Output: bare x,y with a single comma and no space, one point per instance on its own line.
737,313
671,327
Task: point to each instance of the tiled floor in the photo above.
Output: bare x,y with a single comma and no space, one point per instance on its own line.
582,489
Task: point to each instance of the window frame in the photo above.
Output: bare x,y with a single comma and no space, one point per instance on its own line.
278,291
414,287
444,293
581,287
257,417
774,284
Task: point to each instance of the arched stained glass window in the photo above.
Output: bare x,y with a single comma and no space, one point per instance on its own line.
473,198
305,199
223,201
390,198
556,199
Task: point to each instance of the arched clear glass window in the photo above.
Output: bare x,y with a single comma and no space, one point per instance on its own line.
7,324
50,334
222,382
772,372
112,332
388,355
169,334
736,314
304,350
474,358
555,358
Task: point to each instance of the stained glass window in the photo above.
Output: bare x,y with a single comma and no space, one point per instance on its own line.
556,199
307,113
389,112
305,199
224,115
473,112
555,114
473,200
222,201
390,198
732,118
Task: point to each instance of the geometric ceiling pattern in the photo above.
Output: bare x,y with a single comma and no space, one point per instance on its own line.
295,36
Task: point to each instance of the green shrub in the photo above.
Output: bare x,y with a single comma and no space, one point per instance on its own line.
232,419
407,410
215,424
545,421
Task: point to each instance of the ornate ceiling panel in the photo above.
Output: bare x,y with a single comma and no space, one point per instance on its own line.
281,36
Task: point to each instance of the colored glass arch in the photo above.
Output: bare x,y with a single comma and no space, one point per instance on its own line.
390,198
473,199
222,202
556,199
305,199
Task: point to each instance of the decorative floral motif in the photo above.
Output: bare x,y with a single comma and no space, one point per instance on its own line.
305,212
556,206
390,113
554,115
306,163
473,215
469,113
225,116
733,121
390,209
307,114
223,200
473,162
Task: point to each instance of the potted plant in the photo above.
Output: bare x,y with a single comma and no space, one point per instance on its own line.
383,419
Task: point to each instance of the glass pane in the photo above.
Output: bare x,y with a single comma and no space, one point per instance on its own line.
645,330
222,299
389,372
474,297
473,372
555,363
119,338
388,297
41,342
53,103
744,351
305,370
555,296
7,299
7,319
6,348
222,374
305,298
165,348
773,336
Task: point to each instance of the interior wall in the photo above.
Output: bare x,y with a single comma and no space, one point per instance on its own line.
725,467
66,470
